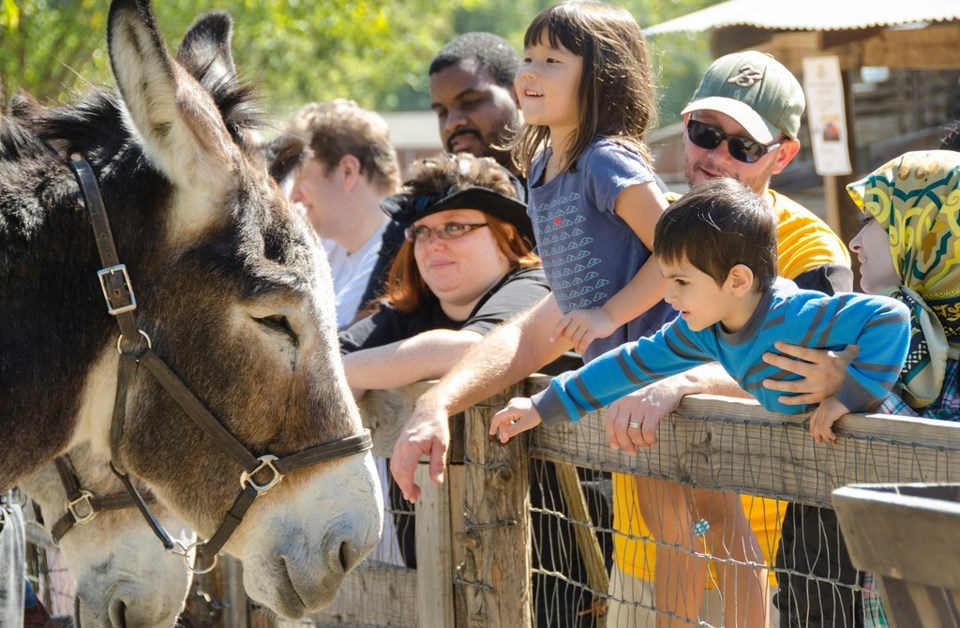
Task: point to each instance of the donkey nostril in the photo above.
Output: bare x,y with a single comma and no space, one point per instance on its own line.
348,556
118,615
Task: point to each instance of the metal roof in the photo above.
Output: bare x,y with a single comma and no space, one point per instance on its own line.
813,15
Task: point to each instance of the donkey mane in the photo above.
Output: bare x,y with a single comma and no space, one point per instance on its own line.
90,125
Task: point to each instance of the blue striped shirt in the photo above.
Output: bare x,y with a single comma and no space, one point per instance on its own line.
879,325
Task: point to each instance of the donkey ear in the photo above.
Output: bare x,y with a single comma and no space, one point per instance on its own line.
205,50
179,125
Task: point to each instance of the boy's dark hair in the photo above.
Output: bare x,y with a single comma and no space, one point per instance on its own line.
717,225
492,52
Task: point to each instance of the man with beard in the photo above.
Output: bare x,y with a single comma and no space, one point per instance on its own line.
471,91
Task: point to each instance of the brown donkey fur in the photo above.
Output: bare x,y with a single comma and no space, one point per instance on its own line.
232,289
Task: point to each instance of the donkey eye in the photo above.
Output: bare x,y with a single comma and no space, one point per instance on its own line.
279,324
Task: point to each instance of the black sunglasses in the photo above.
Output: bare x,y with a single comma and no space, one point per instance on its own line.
740,148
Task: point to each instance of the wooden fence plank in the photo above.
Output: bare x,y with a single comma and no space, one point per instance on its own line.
495,577
434,553
717,442
386,411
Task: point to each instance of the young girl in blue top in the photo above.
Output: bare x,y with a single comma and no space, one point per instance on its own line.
587,94
588,97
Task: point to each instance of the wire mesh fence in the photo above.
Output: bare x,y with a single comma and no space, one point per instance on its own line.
739,499
728,515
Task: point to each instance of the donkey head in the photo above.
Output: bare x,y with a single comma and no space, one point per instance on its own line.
128,581
235,294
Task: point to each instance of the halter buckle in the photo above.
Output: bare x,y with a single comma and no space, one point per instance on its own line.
122,292
82,508
266,462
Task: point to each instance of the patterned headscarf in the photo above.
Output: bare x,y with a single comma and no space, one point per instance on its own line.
916,198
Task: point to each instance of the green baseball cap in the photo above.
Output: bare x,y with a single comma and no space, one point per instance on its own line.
754,89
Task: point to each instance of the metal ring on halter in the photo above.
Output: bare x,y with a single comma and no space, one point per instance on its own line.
142,333
185,551
82,507
266,462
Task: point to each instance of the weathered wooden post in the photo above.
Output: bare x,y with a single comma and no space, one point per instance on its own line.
494,580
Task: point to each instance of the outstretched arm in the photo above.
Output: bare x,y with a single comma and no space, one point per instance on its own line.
647,406
505,356
425,356
640,206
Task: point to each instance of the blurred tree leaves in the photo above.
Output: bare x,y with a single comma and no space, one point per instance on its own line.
374,51
298,50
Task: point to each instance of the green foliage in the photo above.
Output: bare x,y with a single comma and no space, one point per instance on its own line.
298,50
374,51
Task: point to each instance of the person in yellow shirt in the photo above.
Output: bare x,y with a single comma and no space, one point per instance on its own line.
743,123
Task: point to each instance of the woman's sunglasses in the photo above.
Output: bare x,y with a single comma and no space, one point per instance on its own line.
740,148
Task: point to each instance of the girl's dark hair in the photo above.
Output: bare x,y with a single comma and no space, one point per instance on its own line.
617,95
717,225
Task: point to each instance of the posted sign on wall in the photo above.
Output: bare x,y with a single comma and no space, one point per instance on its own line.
826,117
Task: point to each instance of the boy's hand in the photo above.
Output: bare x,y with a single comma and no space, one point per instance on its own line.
518,416
823,418
581,327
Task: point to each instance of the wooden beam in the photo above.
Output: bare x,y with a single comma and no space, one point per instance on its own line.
933,47
731,444
435,565
495,578
927,48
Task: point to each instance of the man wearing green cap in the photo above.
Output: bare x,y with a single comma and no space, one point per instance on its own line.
743,122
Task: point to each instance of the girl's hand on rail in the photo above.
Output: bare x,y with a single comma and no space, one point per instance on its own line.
519,415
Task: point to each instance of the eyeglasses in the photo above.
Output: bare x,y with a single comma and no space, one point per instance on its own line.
446,231
740,148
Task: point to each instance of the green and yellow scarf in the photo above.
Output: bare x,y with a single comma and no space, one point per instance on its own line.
916,198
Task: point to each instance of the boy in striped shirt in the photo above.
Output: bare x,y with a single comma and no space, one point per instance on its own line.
717,248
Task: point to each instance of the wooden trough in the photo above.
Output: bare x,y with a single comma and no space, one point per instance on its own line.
908,536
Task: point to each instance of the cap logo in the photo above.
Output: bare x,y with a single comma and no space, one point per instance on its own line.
747,76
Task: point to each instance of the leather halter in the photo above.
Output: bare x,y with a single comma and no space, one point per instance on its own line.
136,350
83,505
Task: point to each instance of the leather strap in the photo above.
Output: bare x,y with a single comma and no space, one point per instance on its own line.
327,451
94,503
116,287
197,411
121,303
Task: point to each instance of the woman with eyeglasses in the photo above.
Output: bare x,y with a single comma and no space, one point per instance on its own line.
465,267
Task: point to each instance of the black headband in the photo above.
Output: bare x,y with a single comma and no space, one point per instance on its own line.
407,209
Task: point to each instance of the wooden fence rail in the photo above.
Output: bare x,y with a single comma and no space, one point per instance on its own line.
473,535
